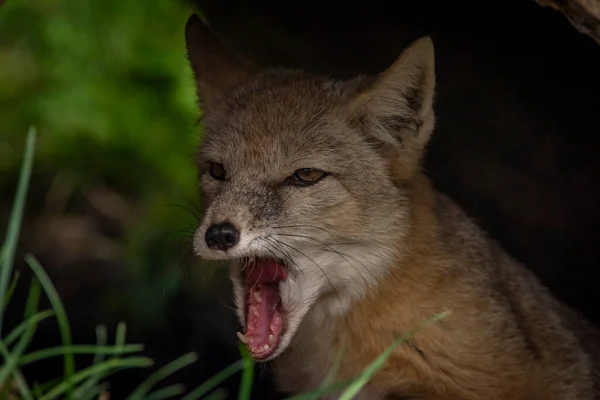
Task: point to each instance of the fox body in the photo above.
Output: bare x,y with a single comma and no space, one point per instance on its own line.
338,242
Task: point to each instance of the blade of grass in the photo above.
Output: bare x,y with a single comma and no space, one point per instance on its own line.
44,387
247,374
166,392
33,299
121,334
61,317
21,382
334,369
11,288
93,392
101,339
88,389
323,391
78,349
37,390
16,218
19,329
110,364
219,394
215,380
162,373
368,373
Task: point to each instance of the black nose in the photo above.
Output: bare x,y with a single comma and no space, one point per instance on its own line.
222,236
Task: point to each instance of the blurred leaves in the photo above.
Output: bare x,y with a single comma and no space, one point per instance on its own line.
108,85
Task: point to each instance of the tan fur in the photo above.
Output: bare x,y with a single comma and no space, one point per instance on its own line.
373,249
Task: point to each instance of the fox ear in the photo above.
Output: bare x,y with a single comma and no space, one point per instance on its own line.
397,109
216,69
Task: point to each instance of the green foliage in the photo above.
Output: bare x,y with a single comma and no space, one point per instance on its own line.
247,373
75,384
109,85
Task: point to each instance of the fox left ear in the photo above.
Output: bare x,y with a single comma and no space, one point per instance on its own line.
216,68
397,109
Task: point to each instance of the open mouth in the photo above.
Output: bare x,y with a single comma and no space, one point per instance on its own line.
264,313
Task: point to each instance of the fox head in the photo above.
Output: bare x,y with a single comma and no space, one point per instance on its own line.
304,180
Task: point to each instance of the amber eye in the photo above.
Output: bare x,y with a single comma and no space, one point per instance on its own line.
217,171
305,177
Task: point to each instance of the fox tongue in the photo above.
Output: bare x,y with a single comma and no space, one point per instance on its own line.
264,322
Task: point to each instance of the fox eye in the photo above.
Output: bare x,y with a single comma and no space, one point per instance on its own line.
217,171
305,177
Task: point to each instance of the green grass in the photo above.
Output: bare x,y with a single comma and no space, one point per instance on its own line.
109,86
88,382
75,384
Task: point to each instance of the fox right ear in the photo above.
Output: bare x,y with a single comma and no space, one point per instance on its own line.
397,109
216,68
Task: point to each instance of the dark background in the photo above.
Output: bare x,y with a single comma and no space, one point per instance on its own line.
107,84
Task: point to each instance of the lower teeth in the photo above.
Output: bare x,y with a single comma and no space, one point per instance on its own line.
260,349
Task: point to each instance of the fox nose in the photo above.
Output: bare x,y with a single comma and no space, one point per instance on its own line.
222,236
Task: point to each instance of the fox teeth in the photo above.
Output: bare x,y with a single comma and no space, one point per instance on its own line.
243,338
257,296
271,340
260,349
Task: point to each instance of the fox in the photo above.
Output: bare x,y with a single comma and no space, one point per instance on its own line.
337,241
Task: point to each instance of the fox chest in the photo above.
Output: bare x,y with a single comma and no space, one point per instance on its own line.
310,358
305,363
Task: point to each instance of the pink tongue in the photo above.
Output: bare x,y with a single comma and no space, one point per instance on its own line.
263,321
263,317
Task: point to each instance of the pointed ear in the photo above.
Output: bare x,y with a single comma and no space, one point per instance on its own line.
216,68
397,109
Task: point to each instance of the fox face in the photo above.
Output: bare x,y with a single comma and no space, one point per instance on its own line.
304,180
